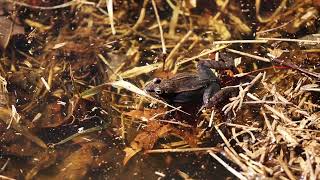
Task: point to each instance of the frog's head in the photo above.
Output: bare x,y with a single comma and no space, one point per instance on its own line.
154,87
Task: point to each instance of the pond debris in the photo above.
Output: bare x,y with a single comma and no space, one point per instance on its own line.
72,103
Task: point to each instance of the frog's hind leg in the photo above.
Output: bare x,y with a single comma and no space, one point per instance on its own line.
219,97
225,62
218,65
209,92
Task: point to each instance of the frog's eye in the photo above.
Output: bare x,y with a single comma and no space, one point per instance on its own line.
157,90
157,80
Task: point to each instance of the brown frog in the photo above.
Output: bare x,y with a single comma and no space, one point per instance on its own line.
190,89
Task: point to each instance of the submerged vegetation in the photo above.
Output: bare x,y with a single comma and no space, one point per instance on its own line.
73,105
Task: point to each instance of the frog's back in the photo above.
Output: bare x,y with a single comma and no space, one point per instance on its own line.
184,82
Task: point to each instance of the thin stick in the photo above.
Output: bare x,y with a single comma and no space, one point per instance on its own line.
64,5
272,29
211,118
110,12
286,169
229,168
164,49
6,177
291,40
202,54
225,140
141,16
240,41
174,50
183,150
295,67
249,55
176,122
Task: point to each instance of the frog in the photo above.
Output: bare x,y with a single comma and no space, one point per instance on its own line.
189,89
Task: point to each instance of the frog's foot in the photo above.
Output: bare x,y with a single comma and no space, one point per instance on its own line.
225,62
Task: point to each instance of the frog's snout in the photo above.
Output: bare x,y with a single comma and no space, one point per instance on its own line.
149,87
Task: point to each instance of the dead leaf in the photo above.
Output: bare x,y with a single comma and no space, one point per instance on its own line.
78,163
7,29
145,113
146,139
6,115
44,160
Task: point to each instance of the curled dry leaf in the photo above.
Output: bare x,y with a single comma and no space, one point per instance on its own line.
146,139
77,164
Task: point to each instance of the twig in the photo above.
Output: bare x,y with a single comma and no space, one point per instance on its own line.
64,5
141,16
176,122
291,40
110,11
90,130
295,67
6,177
240,41
4,165
202,54
286,169
176,47
249,55
183,150
164,49
229,168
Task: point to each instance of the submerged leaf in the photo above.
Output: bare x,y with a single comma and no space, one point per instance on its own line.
78,163
6,115
7,29
146,139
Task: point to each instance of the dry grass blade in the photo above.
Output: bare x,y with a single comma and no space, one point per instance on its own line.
249,55
236,102
169,60
229,168
255,41
6,178
129,86
213,149
136,71
202,54
110,11
164,48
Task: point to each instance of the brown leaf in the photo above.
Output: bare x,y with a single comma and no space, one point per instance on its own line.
7,29
145,113
45,159
146,139
78,163
51,117
6,114
130,152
